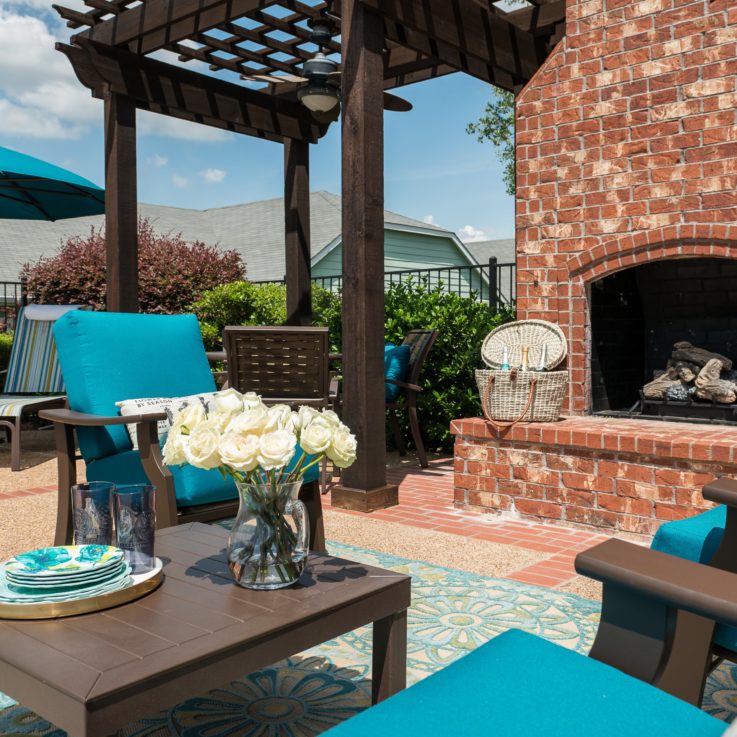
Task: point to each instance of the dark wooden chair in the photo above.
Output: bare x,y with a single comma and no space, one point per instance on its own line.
285,365
420,343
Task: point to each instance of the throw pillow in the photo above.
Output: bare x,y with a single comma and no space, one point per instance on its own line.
155,405
396,363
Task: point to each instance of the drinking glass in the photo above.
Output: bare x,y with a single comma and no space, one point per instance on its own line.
92,513
135,523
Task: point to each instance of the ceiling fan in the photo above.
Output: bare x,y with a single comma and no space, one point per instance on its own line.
319,85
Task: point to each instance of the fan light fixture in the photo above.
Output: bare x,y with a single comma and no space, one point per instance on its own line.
319,96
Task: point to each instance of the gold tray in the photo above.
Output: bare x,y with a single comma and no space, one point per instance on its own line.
142,584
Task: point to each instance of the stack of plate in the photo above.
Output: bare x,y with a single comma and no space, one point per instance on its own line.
63,574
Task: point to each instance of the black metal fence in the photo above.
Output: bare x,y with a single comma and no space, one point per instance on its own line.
12,296
494,283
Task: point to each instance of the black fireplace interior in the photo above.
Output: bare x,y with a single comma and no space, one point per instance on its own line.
639,313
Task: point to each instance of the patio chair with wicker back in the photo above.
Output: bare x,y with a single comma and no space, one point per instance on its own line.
420,342
33,379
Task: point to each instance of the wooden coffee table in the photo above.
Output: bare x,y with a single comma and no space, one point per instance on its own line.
92,674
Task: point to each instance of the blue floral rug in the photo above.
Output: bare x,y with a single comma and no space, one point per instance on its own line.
452,612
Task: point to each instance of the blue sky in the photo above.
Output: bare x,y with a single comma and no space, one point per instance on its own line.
434,169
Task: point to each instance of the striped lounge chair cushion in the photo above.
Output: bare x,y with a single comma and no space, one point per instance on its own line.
13,406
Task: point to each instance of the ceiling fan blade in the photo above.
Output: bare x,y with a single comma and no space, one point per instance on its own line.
396,104
274,79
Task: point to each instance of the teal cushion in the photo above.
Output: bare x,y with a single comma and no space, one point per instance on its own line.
697,538
519,685
106,357
193,486
396,363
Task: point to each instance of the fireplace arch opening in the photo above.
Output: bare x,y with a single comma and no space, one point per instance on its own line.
638,314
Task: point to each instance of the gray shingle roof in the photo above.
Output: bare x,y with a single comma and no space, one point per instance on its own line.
504,250
254,229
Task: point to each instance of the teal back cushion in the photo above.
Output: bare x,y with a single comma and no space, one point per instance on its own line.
106,357
396,363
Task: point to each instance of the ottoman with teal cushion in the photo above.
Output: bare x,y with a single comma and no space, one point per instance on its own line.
519,685
109,357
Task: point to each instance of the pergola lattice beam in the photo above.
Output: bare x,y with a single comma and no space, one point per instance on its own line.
182,93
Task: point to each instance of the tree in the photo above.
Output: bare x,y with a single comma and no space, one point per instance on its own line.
497,125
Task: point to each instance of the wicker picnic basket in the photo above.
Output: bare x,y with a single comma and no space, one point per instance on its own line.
510,396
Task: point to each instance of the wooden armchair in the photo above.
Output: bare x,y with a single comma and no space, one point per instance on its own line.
638,679
420,343
108,357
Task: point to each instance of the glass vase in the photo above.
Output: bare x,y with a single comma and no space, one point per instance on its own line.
269,542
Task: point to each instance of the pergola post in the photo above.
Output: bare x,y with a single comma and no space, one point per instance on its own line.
121,204
363,485
297,231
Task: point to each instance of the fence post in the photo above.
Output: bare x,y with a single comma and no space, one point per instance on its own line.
493,285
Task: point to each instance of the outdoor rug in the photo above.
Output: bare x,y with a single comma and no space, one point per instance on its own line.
452,613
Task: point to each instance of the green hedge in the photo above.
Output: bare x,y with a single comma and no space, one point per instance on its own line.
6,343
448,378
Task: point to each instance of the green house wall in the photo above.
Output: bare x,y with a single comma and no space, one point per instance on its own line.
413,251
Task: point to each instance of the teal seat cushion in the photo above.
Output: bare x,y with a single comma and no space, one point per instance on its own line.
106,357
193,486
518,685
697,538
396,363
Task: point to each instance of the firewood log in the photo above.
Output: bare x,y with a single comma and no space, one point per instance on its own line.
685,351
724,392
656,389
710,373
684,370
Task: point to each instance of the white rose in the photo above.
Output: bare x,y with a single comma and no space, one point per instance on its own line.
175,448
342,450
317,436
329,416
228,401
240,452
305,415
281,417
276,449
249,421
251,400
191,416
219,420
202,449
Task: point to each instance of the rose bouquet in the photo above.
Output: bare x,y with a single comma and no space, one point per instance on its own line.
266,450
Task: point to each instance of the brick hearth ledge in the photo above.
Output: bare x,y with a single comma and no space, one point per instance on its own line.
625,475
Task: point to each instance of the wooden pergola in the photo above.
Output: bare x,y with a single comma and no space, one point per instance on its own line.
133,55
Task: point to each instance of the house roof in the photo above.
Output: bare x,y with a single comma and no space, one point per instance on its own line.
504,250
255,229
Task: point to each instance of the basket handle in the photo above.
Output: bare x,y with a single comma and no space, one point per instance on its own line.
487,395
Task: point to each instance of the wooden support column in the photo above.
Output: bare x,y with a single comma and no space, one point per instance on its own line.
363,485
297,231
121,206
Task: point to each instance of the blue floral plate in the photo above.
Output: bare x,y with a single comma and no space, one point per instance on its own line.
63,561
55,582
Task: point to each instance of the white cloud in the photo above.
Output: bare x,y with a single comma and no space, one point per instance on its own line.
213,176
469,234
178,181
158,161
429,219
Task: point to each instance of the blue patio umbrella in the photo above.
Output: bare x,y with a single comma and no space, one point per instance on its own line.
31,189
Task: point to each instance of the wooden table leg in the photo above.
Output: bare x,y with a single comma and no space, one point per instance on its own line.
389,667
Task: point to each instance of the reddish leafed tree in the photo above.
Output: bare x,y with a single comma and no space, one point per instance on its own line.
172,273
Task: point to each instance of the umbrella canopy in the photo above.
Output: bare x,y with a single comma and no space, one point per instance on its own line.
31,189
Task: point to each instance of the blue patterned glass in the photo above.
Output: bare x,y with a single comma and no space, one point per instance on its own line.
135,524
92,513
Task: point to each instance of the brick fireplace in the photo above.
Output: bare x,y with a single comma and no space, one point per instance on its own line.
626,237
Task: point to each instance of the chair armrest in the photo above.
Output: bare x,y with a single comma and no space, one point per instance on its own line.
216,356
722,490
403,385
675,582
82,419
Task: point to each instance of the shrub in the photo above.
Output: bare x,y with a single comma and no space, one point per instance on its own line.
244,303
171,273
448,379
6,343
